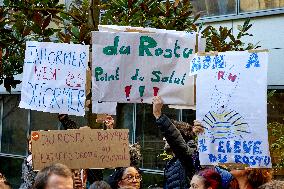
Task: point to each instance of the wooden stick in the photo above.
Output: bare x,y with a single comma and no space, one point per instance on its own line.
211,53
258,50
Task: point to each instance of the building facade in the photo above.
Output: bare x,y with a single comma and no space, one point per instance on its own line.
267,18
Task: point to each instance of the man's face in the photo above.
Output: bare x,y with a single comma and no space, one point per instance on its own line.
59,182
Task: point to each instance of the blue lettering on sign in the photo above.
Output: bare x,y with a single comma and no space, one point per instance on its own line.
253,59
196,65
206,62
218,158
218,62
256,149
253,160
201,145
247,146
55,57
220,147
222,158
228,146
56,98
237,147
212,158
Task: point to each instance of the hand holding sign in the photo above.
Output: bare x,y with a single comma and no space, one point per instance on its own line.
197,127
157,106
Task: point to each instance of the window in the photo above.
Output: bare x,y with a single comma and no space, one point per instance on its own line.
139,119
254,5
14,126
218,9
214,7
149,136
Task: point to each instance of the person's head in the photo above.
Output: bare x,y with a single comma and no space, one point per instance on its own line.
109,122
206,179
125,178
2,178
100,185
4,184
56,176
185,130
254,176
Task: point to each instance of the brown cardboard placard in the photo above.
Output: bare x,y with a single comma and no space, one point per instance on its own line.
81,148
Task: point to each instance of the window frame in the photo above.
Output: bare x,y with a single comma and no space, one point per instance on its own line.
241,15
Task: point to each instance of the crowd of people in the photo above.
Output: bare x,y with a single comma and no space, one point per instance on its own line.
182,171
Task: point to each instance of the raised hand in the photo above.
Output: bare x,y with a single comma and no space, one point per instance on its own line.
157,106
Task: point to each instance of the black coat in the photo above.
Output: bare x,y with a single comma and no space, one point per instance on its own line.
181,168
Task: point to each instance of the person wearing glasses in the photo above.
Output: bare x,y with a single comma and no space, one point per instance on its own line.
126,178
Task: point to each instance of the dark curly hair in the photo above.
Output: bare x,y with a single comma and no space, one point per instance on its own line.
185,129
135,154
117,176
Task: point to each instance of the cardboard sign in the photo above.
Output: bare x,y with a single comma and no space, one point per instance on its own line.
133,67
232,105
54,77
82,148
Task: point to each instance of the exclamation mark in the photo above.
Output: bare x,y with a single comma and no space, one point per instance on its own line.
127,91
141,91
156,90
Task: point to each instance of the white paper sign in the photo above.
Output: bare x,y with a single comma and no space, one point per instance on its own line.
104,107
54,77
232,105
134,67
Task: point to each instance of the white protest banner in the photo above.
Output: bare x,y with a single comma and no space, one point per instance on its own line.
104,107
133,67
81,148
232,105
54,77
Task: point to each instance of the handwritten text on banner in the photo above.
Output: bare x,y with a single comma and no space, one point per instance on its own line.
54,77
231,103
134,67
81,148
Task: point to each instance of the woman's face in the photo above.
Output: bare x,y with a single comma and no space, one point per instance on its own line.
197,182
130,178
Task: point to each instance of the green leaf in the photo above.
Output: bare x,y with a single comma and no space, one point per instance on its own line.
75,31
37,18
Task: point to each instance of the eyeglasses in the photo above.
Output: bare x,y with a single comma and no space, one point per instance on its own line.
130,178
